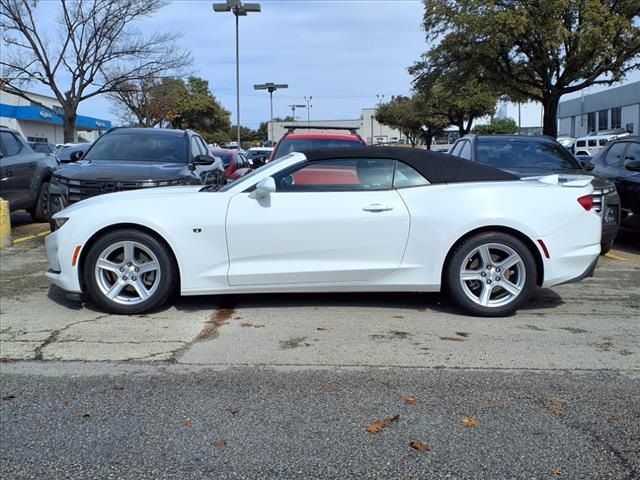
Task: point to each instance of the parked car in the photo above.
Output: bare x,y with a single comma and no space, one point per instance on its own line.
72,153
566,141
42,147
536,156
258,156
595,141
410,220
24,175
132,158
235,164
302,142
620,163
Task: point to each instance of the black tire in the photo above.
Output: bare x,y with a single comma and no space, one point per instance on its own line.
461,295
166,284
606,247
40,212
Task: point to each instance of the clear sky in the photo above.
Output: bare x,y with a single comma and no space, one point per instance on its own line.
342,53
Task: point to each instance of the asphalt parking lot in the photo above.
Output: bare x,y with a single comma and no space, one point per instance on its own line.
265,386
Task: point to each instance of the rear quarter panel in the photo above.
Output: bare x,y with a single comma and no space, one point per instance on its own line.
442,214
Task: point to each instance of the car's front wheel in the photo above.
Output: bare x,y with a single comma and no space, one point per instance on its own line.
128,271
40,211
491,274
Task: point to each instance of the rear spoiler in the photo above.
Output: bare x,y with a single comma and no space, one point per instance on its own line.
563,180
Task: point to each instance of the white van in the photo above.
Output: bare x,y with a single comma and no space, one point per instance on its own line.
595,141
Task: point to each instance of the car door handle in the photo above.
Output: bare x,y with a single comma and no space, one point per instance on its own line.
377,207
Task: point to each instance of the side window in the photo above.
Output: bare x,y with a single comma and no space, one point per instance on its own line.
456,149
592,143
466,151
633,153
196,149
9,144
407,176
339,175
614,155
203,146
580,143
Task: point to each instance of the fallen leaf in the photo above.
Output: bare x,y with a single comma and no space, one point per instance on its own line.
246,325
462,334
453,339
321,329
81,415
419,446
258,326
469,422
398,316
187,421
514,396
8,397
614,421
232,409
410,400
380,425
307,344
328,388
608,344
219,443
557,472
557,411
494,405
557,401
118,387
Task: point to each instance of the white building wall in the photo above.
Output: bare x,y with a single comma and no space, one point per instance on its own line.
564,127
631,114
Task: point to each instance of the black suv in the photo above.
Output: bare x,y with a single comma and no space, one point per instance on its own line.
24,175
132,158
620,163
533,156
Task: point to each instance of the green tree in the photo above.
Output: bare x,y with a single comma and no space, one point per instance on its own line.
412,116
534,49
497,126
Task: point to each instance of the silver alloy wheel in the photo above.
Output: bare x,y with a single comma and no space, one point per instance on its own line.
127,272
493,275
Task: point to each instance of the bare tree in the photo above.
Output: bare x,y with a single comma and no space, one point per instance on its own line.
98,50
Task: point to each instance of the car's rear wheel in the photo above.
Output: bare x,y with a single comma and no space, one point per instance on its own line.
491,274
129,272
40,211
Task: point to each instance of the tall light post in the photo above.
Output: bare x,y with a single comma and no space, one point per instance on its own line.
380,102
308,100
270,87
293,110
239,9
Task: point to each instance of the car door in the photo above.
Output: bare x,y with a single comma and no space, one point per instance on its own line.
16,171
629,182
328,221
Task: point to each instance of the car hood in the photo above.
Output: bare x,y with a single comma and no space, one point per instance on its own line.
120,171
131,196
597,182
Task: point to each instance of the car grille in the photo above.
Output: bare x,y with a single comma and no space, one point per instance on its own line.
82,189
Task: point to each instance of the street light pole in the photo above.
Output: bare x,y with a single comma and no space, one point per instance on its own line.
270,87
239,9
308,109
293,110
380,101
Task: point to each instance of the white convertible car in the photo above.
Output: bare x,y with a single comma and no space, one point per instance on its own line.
376,219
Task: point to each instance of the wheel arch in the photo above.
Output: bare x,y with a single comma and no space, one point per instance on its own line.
537,256
122,226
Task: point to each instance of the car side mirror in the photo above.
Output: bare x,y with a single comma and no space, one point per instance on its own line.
587,165
203,160
264,188
633,165
75,156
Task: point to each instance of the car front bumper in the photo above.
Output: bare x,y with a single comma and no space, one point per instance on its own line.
62,272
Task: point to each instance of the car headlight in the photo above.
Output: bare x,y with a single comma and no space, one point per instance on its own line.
60,221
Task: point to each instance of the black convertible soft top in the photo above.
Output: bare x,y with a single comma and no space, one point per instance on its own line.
434,166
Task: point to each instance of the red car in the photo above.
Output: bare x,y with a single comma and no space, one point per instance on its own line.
235,163
300,142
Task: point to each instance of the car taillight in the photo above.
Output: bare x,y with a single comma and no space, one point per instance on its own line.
586,202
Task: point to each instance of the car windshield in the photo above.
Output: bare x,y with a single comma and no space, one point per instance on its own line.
524,155
303,144
141,146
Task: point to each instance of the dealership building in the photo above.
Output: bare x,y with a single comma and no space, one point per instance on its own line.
613,108
37,124
367,127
